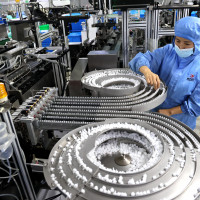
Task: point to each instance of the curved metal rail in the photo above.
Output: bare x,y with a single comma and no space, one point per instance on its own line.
174,172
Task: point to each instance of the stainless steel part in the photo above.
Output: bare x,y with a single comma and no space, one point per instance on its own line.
116,83
59,59
15,51
75,85
76,110
33,108
21,32
49,111
172,170
125,38
102,60
123,160
3,31
80,3
18,157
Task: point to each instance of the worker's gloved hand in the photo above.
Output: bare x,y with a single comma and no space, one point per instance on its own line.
151,78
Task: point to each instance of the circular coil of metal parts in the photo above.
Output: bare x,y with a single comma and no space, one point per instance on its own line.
113,82
150,157
138,96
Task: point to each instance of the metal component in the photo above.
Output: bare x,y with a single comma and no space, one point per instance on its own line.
171,170
75,85
58,58
131,4
125,38
21,32
67,58
137,26
162,21
26,74
60,113
33,109
17,50
115,82
3,31
123,160
18,157
102,60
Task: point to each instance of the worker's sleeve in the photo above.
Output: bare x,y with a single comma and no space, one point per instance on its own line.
152,60
192,105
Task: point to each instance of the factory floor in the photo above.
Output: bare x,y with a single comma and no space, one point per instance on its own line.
197,129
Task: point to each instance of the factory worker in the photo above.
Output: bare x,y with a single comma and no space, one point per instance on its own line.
178,66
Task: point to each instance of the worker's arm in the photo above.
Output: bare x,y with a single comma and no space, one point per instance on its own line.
151,78
153,60
171,111
149,64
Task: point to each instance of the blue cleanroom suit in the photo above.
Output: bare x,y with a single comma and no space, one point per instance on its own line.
181,75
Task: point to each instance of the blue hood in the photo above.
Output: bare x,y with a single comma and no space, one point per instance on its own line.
189,28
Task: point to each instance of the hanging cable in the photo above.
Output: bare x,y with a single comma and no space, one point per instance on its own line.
70,10
6,177
3,66
10,195
8,166
10,170
13,64
14,181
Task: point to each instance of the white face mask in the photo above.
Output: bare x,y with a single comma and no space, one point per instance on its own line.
184,53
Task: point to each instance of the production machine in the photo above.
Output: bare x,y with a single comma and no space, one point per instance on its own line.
48,111
80,126
23,74
108,147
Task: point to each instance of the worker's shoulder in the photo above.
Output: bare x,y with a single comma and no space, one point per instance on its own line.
195,67
196,61
167,47
168,50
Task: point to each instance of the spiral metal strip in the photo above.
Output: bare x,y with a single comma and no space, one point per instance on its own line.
114,82
174,174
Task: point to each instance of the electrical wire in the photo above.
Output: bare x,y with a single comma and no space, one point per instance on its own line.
9,167
15,61
11,195
53,197
45,59
15,183
70,10
41,6
3,66
6,177
10,170
13,64
48,60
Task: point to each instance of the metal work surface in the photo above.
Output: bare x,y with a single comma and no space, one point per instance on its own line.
149,157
